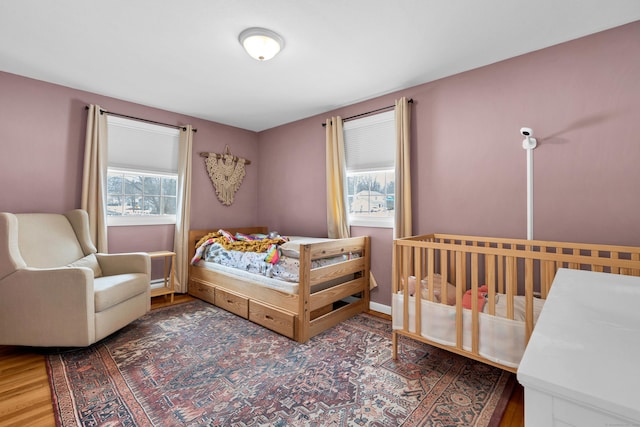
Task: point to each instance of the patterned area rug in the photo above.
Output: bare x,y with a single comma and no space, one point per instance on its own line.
194,364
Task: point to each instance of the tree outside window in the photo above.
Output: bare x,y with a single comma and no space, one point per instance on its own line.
140,194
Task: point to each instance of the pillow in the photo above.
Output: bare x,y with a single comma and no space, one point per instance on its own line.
90,261
292,247
437,289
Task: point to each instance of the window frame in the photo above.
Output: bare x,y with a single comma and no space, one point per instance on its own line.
154,219
366,220
140,220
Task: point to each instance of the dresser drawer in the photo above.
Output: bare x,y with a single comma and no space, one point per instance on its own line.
202,290
234,303
277,320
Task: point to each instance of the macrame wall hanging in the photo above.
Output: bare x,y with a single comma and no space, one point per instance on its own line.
226,172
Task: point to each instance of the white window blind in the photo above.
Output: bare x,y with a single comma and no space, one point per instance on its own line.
141,146
370,143
142,172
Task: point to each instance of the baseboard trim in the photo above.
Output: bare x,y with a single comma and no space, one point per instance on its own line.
157,283
380,308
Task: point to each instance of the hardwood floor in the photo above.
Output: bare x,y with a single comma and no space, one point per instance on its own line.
25,397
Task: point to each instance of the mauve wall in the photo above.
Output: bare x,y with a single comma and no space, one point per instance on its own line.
582,99
42,134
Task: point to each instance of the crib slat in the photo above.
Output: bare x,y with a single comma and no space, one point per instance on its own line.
417,254
430,280
547,277
475,330
512,283
444,272
501,271
459,292
595,267
528,292
404,262
574,265
491,282
547,274
615,270
452,267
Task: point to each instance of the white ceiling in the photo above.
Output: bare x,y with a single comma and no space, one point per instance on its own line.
184,56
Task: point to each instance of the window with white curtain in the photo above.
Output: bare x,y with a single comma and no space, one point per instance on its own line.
142,173
370,162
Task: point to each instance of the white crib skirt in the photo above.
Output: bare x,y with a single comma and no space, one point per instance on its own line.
500,340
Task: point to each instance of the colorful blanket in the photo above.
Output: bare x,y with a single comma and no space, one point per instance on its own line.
242,243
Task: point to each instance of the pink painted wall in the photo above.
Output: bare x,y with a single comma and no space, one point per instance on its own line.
42,133
582,99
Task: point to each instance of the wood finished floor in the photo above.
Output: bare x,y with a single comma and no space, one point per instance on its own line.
25,397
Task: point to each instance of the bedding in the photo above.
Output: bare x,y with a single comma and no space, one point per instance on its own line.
258,254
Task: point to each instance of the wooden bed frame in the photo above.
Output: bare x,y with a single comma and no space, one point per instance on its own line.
298,316
508,266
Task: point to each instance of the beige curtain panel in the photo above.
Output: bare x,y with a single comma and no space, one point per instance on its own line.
337,220
94,177
403,221
183,211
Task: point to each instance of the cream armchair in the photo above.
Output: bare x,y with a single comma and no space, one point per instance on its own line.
56,291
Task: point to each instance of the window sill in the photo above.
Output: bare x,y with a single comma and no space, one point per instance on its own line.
123,221
371,222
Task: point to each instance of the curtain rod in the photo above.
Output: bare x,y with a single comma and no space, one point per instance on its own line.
141,120
369,112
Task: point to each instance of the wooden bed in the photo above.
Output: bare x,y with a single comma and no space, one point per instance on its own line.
517,274
300,315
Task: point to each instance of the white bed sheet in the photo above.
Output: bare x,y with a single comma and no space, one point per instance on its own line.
280,285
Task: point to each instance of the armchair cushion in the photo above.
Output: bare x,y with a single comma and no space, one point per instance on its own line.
112,290
47,240
88,261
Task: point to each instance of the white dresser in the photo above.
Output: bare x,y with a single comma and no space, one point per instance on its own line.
582,364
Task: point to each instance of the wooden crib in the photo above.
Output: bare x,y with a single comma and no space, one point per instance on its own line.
496,324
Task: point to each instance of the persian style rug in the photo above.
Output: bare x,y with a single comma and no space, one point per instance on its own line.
194,364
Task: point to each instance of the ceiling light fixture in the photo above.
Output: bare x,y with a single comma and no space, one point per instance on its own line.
260,43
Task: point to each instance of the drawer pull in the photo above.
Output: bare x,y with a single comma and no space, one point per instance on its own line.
266,316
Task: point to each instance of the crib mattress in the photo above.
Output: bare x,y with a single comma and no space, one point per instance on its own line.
500,339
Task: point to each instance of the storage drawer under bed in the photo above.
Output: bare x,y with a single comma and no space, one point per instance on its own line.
236,304
201,290
272,318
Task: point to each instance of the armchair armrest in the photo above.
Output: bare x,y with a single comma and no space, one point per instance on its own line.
135,262
48,306
10,258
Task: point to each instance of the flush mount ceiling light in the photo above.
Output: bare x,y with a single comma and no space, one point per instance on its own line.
260,43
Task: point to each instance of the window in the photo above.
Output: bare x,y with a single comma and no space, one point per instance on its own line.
142,173
139,193
370,162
